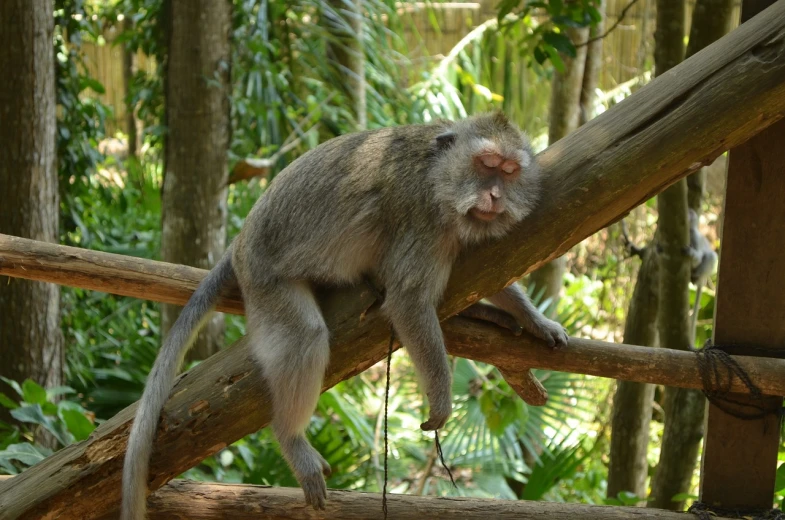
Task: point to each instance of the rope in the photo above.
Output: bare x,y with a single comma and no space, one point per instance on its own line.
716,388
386,402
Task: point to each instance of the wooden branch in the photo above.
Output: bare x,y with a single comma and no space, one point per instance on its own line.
681,120
213,501
106,272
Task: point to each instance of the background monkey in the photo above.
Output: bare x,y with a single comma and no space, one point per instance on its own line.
703,263
398,204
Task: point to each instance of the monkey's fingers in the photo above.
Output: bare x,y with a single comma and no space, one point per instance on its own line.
527,387
432,424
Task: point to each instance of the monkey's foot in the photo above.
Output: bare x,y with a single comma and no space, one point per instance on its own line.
314,489
553,333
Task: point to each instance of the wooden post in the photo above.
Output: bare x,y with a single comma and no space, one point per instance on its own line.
740,456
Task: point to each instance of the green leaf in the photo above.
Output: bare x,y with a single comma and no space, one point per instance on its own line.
555,59
59,390
34,414
506,7
628,498
678,497
539,55
13,384
25,453
779,483
594,14
76,422
7,402
560,42
32,392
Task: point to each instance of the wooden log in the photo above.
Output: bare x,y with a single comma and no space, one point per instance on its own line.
715,100
199,501
214,501
106,272
748,313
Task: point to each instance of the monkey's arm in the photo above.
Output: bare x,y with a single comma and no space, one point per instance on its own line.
417,325
513,300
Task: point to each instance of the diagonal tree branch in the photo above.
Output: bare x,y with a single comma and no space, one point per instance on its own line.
683,119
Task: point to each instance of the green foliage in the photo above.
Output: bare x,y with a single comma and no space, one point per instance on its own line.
548,38
80,116
38,413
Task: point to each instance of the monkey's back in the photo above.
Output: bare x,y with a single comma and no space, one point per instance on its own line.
332,214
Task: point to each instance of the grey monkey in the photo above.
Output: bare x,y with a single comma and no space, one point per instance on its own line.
397,204
703,263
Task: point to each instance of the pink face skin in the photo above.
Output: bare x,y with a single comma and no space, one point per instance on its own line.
494,171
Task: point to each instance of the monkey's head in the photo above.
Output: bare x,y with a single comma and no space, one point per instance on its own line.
488,178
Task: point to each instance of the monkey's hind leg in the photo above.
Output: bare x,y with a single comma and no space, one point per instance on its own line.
290,339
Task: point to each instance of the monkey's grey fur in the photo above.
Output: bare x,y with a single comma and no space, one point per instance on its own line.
703,263
397,204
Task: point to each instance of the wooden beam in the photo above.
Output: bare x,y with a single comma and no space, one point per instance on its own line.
740,456
201,501
717,99
213,501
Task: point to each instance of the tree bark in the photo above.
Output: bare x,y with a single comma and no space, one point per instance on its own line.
211,501
31,342
599,173
345,21
128,76
632,402
197,104
593,68
565,116
683,408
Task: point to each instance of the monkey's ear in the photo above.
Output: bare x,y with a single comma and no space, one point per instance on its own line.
445,139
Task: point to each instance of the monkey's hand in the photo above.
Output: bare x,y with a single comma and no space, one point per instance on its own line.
552,332
441,408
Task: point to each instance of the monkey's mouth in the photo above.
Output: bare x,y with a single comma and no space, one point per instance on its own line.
485,216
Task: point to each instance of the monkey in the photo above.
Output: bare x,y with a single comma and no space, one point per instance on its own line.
703,263
397,204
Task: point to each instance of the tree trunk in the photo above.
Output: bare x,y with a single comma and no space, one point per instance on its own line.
197,104
128,75
345,21
31,342
565,112
683,408
593,68
632,402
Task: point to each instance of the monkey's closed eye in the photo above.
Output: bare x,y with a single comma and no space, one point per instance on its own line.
495,164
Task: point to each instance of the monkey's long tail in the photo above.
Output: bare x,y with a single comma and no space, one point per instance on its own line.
159,384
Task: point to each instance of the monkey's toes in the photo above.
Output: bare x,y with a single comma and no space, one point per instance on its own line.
315,490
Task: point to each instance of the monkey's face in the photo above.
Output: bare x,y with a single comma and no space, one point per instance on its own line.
491,180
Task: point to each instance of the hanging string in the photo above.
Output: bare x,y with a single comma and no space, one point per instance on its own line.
386,403
441,458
